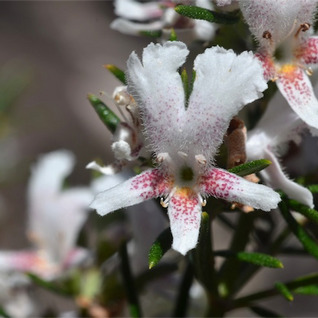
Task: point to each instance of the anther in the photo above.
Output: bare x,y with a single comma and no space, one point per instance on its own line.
162,156
303,28
309,71
201,159
163,203
182,154
267,35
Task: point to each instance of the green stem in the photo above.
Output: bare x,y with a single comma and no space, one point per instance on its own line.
183,295
129,283
230,269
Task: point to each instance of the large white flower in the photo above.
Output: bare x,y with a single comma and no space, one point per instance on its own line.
185,138
269,139
135,17
55,217
283,28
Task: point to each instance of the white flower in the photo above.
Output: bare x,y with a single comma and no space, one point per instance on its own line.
269,139
287,50
160,15
55,217
185,140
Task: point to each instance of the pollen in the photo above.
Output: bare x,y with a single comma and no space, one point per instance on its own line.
288,68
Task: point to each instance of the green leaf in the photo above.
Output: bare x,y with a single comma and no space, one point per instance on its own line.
117,72
3,313
309,213
51,286
308,243
250,167
108,117
307,290
199,13
160,246
173,35
313,188
263,312
185,82
259,259
283,289
152,34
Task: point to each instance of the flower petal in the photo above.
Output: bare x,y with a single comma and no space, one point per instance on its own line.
228,186
204,30
224,83
135,10
22,261
308,51
147,185
49,173
295,86
185,214
278,125
157,87
274,16
134,28
58,222
275,177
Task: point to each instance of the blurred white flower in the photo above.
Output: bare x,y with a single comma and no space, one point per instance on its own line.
135,17
287,49
55,217
269,140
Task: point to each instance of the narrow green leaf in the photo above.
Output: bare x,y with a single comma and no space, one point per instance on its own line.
303,281
151,34
308,243
309,213
313,188
108,117
307,290
51,286
263,312
282,288
173,35
199,13
117,72
160,246
250,167
259,259
185,82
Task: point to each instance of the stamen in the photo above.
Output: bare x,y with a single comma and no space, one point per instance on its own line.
267,35
201,200
162,157
165,203
200,159
309,71
182,154
302,28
